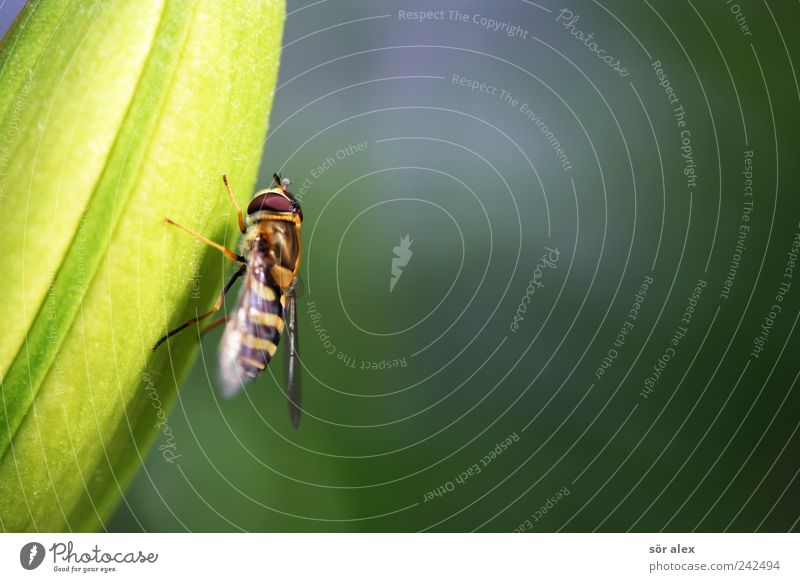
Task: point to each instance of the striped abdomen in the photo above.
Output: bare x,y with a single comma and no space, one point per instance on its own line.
252,334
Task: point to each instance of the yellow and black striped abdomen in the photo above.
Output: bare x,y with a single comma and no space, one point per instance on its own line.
252,335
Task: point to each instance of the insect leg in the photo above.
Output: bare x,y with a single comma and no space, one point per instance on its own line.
214,323
242,227
228,253
217,306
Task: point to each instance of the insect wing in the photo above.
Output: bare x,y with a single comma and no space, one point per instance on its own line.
292,358
299,287
230,375
252,334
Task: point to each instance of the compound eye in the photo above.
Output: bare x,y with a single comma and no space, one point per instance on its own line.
271,203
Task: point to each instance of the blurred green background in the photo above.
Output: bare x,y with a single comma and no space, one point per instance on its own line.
408,392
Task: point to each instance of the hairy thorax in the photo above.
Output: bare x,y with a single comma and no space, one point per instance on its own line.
276,238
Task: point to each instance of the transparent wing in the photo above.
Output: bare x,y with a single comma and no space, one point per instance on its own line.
299,286
231,380
292,358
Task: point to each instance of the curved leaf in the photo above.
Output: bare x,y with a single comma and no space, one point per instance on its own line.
116,115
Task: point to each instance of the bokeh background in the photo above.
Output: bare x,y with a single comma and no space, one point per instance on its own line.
490,388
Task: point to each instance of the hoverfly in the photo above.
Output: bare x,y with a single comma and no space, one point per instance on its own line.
268,259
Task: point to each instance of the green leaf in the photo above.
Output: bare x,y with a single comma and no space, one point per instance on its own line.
114,115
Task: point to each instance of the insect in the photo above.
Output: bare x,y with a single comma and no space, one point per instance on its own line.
268,259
